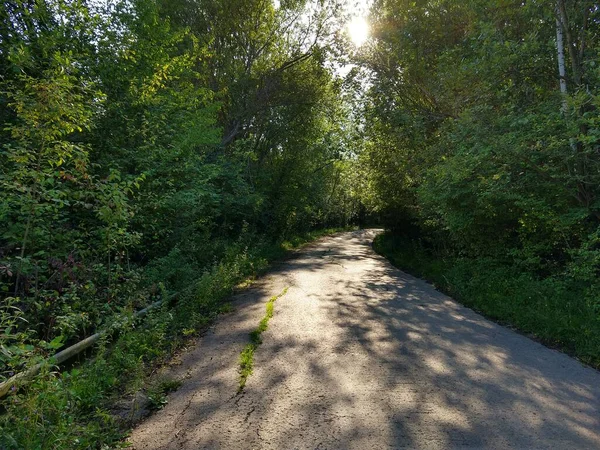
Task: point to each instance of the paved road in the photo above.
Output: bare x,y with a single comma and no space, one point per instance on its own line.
360,355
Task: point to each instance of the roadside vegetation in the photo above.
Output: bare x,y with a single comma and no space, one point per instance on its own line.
484,169
74,408
149,148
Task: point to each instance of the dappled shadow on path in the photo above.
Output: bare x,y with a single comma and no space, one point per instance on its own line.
360,355
386,355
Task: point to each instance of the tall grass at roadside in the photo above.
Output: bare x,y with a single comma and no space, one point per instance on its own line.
559,311
71,409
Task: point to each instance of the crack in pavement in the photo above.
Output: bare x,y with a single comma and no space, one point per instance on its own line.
248,413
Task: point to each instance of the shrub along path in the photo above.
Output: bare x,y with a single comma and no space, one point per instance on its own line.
360,355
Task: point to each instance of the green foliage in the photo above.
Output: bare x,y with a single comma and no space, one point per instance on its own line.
473,150
157,393
148,148
64,228
559,310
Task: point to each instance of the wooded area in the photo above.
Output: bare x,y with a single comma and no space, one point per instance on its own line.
487,161
152,147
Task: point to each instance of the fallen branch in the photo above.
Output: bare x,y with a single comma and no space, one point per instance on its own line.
67,353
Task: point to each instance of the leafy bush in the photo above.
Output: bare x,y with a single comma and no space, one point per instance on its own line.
560,310
72,409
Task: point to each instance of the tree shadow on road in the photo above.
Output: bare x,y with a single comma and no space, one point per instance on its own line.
361,355
437,374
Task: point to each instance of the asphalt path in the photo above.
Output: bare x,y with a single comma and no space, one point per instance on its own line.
360,355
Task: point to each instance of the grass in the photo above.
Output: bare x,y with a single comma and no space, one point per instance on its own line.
558,311
72,409
247,354
158,391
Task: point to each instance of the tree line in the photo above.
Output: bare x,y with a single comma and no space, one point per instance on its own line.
154,135
482,146
150,147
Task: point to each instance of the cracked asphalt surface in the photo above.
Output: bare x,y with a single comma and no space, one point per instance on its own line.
360,355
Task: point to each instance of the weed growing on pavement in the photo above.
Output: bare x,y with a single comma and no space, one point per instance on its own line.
247,355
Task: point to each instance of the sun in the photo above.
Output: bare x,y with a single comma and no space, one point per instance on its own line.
358,28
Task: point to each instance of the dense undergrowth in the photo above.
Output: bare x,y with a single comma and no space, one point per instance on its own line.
149,148
72,409
559,310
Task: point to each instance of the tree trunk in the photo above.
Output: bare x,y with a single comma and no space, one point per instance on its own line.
560,48
563,20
